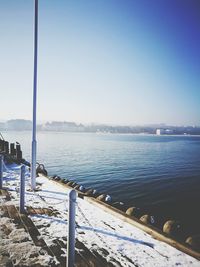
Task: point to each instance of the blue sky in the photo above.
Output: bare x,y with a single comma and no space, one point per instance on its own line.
104,61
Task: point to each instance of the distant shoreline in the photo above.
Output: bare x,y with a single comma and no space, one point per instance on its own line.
102,133
67,126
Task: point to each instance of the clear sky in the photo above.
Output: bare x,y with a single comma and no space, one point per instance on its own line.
104,61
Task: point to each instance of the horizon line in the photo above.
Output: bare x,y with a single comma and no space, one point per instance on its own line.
107,123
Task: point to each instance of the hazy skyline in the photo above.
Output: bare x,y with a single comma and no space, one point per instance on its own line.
108,61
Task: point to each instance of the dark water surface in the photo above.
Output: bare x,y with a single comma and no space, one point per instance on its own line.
158,173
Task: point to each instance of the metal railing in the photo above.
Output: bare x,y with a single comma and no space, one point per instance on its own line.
71,208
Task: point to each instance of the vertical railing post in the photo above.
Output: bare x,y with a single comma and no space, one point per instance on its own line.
22,189
1,171
71,229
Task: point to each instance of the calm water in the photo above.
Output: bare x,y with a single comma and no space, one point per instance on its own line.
158,173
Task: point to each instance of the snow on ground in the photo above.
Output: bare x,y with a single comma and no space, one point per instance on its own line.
18,247
119,242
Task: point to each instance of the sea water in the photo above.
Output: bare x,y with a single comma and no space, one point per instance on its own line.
160,174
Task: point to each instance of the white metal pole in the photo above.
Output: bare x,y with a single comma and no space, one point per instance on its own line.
22,190
71,229
34,142
1,171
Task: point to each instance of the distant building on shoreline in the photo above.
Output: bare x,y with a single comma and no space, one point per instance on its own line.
159,131
164,131
18,125
62,126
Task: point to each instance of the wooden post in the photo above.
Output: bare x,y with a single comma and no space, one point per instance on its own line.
12,149
6,147
1,171
22,189
71,229
1,145
18,152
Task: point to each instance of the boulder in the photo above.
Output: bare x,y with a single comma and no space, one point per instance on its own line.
82,188
108,199
172,227
133,211
70,183
148,219
101,197
77,187
89,192
194,242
